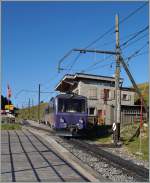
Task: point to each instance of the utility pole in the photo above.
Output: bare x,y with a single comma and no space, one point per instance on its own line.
39,104
32,110
32,102
22,111
116,125
118,85
29,112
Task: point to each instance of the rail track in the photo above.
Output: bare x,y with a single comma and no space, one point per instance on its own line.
139,173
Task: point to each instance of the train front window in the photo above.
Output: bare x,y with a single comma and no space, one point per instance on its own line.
71,105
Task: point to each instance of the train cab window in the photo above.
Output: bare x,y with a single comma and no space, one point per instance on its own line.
71,105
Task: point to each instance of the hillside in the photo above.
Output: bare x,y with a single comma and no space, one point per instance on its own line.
32,113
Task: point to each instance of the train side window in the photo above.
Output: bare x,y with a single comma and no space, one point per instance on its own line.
51,107
47,110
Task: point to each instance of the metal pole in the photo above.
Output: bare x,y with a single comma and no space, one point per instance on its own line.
117,87
32,110
81,50
133,82
29,108
141,115
39,105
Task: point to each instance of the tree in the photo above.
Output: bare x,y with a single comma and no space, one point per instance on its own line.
4,101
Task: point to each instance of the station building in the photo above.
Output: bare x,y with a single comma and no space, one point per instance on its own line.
100,93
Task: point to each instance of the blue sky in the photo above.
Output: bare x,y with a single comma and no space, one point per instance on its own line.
35,35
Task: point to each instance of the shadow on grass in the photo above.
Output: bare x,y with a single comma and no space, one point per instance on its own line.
95,133
98,132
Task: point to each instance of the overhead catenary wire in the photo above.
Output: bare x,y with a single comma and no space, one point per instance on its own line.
121,38
133,37
125,45
31,91
112,28
136,53
98,62
74,62
133,42
113,62
52,80
102,66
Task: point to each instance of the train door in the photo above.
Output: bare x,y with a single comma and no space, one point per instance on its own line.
100,117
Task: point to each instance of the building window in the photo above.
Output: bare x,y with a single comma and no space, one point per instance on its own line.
129,97
93,93
112,95
124,97
91,111
106,94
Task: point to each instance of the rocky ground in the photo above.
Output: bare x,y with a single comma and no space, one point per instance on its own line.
104,168
125,154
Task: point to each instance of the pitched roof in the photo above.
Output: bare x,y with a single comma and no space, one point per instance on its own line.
70,78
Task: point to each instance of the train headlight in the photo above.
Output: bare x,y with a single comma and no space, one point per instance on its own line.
81,121
80,126
62,120
65,125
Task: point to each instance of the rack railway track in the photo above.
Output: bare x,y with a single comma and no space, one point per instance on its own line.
139,173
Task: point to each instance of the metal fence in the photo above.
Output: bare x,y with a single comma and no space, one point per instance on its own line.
131,117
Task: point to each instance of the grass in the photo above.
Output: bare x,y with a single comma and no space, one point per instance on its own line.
127,131
133,146
9,126
105,139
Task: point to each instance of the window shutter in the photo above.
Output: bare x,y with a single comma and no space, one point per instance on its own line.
93,93
112,94
129,97
102,94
